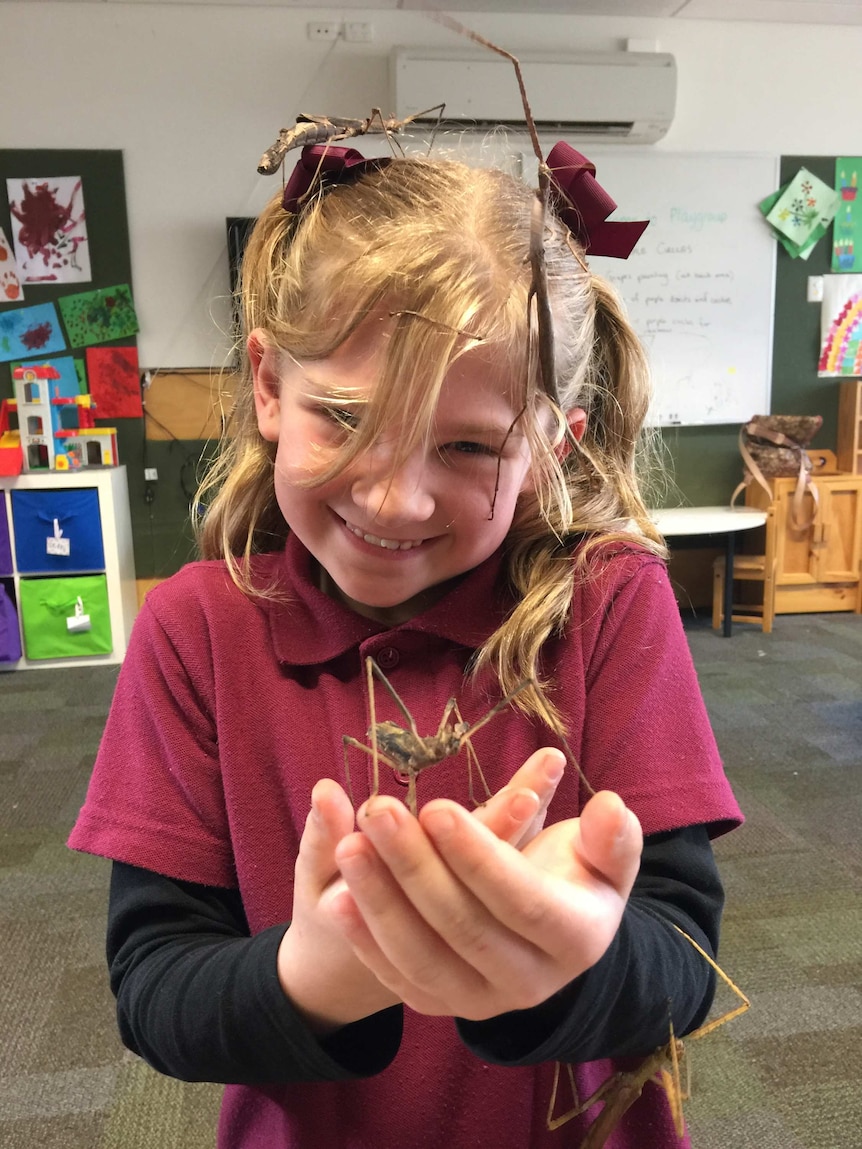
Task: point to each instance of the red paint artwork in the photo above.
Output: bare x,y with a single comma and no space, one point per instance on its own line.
114,384
49,230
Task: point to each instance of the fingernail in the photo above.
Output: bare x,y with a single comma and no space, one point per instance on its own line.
555,766
380,820
626,826
440,822
524,806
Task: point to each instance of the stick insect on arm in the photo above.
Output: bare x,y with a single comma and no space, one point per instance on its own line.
662,1068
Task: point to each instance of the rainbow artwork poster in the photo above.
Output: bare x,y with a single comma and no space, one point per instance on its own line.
841,326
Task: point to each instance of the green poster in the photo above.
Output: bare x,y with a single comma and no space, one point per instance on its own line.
847,226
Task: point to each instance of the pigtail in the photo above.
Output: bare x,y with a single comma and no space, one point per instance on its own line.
602,476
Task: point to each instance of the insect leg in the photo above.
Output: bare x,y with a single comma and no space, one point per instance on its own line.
372,709
501,705
709,1026
373,668
472,761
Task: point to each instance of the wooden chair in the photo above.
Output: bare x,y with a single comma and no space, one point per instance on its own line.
749,568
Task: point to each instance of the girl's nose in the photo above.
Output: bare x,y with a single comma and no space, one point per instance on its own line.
391,492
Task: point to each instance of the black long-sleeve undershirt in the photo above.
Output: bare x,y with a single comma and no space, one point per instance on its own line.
199,999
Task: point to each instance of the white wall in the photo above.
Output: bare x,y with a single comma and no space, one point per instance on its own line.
194,94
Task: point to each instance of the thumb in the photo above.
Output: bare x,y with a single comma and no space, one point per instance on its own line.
329,820
611,840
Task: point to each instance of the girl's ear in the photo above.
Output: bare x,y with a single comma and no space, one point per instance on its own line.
577,420
264,372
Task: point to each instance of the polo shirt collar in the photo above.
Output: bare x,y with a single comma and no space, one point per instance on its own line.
308,627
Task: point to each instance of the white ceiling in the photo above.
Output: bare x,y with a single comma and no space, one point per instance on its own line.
768,11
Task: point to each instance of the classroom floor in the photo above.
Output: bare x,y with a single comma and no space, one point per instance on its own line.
787,710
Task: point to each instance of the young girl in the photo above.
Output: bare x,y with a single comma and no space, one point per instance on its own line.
409,481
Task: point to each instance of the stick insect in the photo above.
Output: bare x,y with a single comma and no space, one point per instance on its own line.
332,129
406,751
662,1067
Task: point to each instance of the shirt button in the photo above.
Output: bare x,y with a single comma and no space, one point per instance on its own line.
388,657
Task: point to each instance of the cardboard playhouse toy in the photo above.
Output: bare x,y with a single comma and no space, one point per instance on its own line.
55,432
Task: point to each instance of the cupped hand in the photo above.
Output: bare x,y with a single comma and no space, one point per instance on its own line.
456,920
318,968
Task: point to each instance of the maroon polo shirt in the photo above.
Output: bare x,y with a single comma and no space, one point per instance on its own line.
228,709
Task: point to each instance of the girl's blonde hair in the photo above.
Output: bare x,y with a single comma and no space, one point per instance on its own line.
444,247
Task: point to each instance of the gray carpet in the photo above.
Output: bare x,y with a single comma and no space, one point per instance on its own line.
787,710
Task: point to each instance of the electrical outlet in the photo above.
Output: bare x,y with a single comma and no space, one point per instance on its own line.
151,474
323,30
358,32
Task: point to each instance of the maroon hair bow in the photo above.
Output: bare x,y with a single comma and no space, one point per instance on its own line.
583,205
324,164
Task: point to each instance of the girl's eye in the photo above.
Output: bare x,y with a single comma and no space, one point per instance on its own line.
469,447
342,417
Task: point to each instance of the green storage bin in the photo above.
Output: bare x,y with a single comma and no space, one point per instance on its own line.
47,603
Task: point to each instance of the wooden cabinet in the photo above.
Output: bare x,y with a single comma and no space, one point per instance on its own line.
816,568
850,427
67,565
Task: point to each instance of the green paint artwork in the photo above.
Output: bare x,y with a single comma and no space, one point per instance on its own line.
800,212
847,228
99,316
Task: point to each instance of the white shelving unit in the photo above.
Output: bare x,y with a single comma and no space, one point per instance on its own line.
112,489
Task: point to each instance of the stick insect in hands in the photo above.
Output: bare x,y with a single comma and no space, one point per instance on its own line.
406,751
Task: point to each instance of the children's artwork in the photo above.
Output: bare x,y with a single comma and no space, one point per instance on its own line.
99,316
114,383
847,229
841,326
800,212
66,384
49,229
29,331
11,290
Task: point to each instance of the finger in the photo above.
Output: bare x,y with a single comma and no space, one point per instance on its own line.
329,820
509,814
611,840
390,935
479,931
428,925
553,906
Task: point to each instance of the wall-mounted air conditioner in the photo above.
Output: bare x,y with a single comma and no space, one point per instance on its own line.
628,97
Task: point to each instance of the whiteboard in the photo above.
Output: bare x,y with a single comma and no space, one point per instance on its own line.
699,287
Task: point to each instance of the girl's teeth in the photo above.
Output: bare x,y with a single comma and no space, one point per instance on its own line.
387,544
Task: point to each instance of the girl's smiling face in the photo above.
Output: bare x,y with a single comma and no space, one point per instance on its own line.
391,533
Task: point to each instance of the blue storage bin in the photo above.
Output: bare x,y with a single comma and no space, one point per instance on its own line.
57,531
5,544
